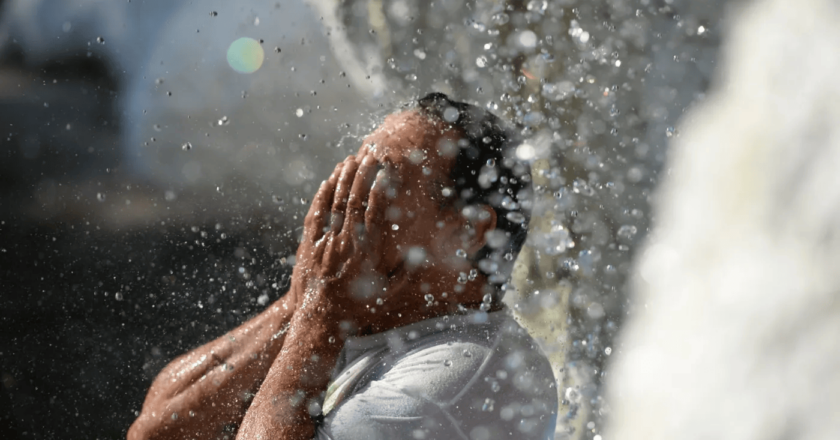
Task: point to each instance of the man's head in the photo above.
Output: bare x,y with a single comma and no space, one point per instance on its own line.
464,200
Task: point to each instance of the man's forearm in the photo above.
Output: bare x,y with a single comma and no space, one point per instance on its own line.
208,389
293,390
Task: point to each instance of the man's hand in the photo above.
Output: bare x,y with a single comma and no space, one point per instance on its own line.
340,264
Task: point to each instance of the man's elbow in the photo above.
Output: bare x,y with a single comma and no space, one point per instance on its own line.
146,428
151,424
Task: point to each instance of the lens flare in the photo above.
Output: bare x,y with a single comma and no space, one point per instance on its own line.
245,55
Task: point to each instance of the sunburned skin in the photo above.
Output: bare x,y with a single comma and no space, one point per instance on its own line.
350,277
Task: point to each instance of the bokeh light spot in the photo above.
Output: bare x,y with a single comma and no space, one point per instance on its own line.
245,55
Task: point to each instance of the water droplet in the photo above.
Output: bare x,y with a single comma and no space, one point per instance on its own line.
192,413
627,231
416,156
595,311
495,386
332,339
461,253
467,353
100,197
608,351
500,18
488,405
187,146
379,301
214,13
515,217
488,266
118,296
528,39
509,204
481,61
572,395
484,307
299,112
451,114
223,121
395,227
526,152
174,416
488,298
100,40
447,363
429,297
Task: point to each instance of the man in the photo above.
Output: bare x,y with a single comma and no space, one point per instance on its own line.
396,289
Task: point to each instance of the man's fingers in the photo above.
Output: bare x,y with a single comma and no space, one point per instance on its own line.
320,209
354,221
330,258
342,192
375,227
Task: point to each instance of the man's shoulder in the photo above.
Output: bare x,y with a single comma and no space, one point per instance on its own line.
497,357
475,372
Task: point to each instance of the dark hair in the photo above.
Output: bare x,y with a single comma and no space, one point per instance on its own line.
487,172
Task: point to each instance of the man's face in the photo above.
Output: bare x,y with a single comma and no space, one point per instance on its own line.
422,151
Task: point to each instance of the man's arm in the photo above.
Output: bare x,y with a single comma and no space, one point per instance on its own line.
292,391
208,390
201,393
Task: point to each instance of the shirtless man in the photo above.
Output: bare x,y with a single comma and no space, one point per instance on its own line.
393,326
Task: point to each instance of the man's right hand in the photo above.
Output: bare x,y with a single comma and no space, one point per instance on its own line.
340,262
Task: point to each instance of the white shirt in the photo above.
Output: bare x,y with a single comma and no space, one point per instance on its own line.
478,376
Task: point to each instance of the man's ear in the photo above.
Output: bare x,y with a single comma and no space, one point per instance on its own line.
481,223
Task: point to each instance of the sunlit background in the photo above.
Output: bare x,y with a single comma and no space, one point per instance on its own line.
159,156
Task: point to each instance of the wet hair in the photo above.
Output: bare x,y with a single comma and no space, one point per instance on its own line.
487,172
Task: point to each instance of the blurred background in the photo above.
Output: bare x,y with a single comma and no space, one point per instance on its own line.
159,156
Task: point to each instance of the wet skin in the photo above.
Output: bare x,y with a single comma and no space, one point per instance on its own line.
350,256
